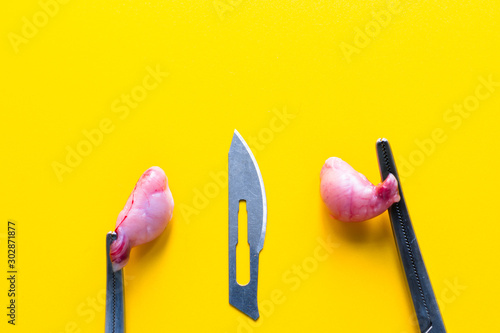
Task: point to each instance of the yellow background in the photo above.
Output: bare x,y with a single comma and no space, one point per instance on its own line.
236,65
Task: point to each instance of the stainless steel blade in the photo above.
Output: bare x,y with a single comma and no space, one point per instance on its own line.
245,184
115,319
424,301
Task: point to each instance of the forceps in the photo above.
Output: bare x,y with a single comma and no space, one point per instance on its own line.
424,301
115,322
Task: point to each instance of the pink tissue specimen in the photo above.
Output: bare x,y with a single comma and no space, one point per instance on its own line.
350,196
144,217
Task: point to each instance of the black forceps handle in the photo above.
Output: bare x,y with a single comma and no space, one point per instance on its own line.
424,300
115,322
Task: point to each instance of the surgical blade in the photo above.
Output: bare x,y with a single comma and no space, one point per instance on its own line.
115,322
245,184
424,301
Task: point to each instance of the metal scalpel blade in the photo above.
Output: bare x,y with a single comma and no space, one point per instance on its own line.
245,184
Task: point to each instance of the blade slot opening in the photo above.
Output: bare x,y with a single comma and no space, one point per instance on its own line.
242,247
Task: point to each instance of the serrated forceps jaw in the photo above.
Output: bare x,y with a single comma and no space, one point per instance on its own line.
115,307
